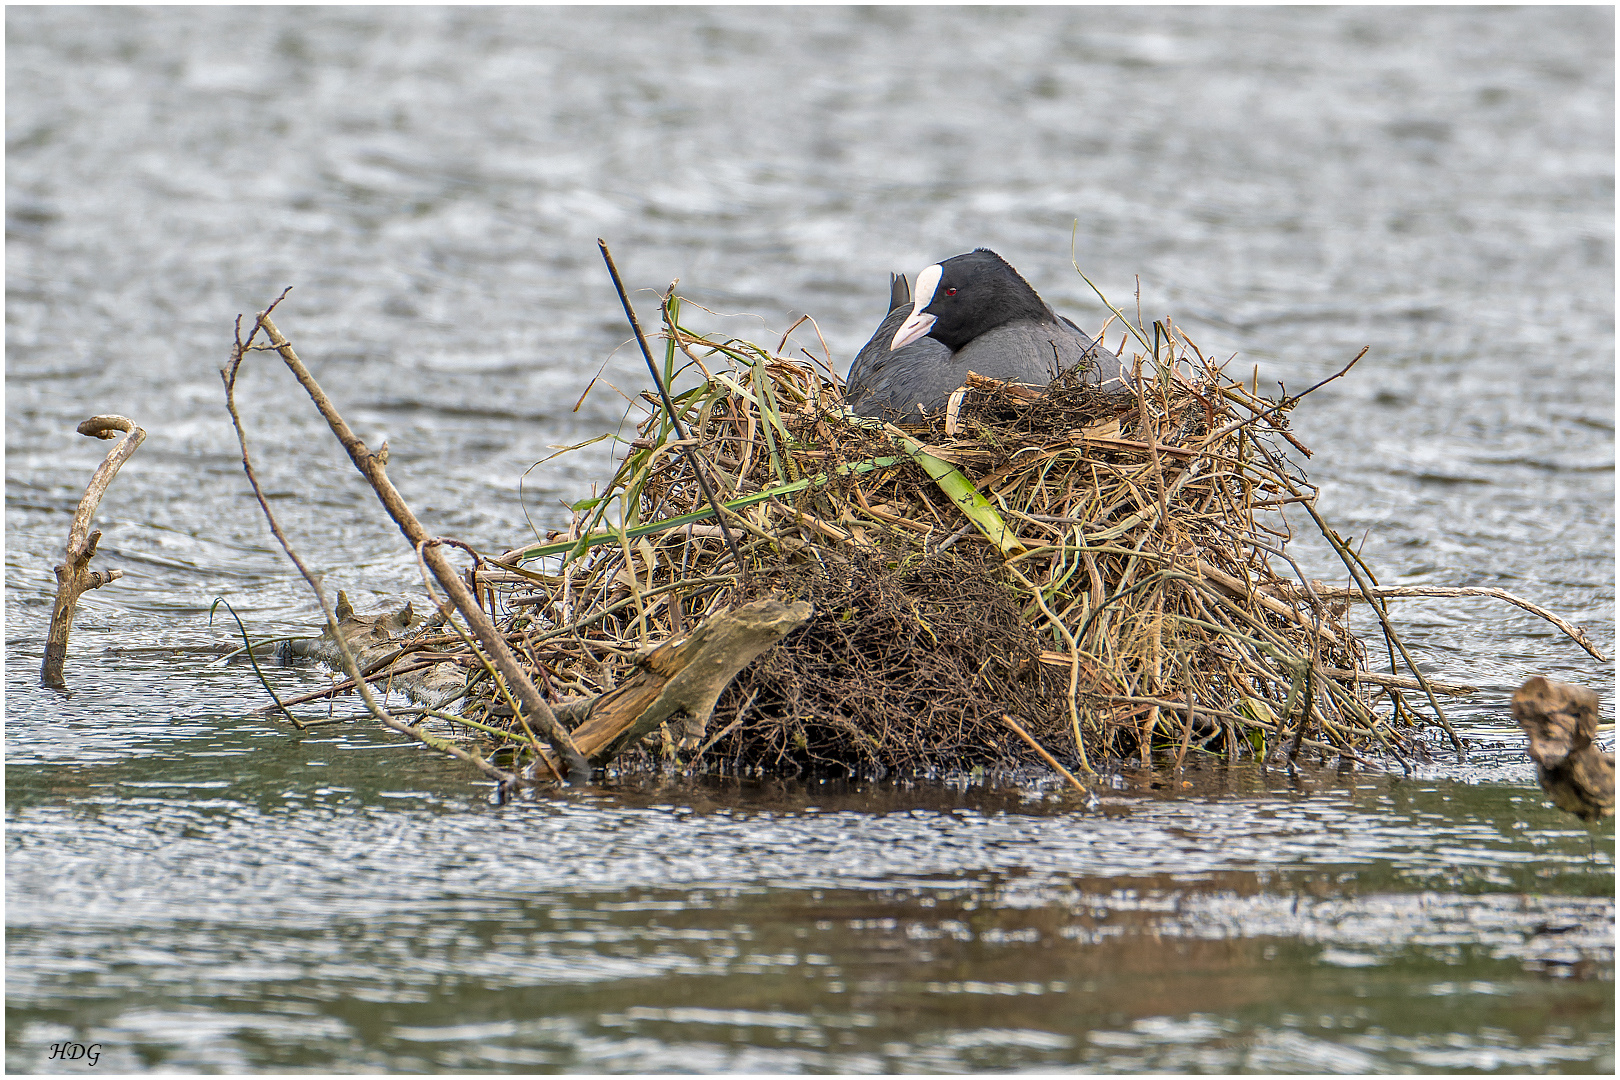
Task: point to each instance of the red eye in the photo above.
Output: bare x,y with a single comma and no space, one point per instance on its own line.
950,291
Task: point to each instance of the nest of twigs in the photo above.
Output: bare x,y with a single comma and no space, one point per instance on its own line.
1120,586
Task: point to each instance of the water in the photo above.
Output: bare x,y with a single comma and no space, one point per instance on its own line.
196,889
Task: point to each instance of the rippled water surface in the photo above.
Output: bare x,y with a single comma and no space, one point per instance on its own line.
197,889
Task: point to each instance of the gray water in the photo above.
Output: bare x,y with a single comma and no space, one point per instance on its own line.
194,888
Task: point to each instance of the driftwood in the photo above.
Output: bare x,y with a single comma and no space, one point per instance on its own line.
74,576
1561,721
427,675
681,679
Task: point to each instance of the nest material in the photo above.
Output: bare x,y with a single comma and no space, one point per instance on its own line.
1124,592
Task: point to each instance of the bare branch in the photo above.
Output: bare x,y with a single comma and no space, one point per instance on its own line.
73,576
346,655
1389,592
372,467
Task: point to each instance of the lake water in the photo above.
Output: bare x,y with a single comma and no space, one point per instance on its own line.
193,888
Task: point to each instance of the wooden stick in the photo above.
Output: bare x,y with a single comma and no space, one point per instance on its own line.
1382,592
1352,562
74,576
351,666
1041,750
674,418
1400,682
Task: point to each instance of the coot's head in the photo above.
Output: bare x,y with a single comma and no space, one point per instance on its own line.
957,300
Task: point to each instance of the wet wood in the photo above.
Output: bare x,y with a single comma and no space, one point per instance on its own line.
681,679
678,681
1399,682
384,654
74,576
1561,720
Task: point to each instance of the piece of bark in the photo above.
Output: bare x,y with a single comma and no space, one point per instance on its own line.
681,679
1561,720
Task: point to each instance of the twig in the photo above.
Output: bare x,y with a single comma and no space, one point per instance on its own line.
350,665
372,467
674,418
377,672
1400,682
1074,661
1041,750
1387,592
1288,401
729,728
1186,732
1353,564
505,691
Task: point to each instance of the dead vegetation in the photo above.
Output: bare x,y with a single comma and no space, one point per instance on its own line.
1109,571
1029,577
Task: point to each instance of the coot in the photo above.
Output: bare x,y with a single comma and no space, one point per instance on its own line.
969,313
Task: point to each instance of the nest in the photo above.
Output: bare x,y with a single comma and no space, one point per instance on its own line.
1108,571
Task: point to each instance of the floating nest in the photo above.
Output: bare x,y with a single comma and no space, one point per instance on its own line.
1110,573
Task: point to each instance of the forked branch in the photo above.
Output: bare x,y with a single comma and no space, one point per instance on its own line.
372,467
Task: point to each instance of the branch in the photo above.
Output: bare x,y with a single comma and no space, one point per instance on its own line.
345,655
371,466
73,576
1288,402
1045,756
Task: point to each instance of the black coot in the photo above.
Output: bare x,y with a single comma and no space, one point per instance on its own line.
970,313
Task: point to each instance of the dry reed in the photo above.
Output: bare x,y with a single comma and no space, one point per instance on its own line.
1111,571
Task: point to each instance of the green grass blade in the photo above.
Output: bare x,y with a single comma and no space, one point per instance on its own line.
949,479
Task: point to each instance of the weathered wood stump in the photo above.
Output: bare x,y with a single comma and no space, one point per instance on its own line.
1561,721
